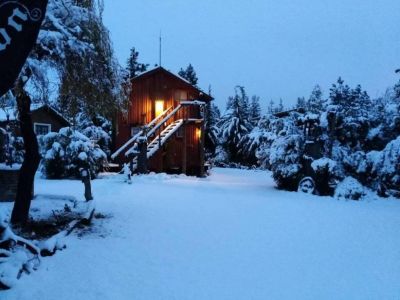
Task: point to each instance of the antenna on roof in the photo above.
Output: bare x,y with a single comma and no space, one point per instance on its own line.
160,50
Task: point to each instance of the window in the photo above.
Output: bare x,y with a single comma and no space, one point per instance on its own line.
159,107
135,131
41,128
180,95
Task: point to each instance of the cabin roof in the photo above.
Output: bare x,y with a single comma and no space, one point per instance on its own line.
10,113
203,95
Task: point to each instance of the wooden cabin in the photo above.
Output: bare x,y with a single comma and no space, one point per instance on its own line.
162,130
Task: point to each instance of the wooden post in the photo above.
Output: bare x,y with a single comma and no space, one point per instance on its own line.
142,157
85,174
184,150
201,145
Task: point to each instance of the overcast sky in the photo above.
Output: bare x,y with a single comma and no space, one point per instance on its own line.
275,48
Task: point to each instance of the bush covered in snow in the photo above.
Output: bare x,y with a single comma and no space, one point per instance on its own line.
97,129
349,189
12,147
326,175
64,153
286,161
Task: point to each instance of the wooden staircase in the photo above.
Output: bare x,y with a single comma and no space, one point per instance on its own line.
158,132
156,144
154,135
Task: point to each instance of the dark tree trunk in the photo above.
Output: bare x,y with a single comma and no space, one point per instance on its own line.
20,213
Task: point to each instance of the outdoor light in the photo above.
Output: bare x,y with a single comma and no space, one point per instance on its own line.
198,133
159,107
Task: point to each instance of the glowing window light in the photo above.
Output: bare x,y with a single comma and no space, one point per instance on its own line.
198,133
159,107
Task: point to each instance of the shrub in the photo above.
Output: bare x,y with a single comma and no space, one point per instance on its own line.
64,153
326,175
349,189
285,160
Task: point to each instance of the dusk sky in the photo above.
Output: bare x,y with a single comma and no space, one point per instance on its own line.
276,49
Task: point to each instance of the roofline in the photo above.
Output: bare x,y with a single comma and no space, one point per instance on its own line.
39,106
55,111
160,68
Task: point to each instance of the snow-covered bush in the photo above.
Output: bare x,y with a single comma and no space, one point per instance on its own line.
101,137
386,164
12,147
98,129
221,158
64,153
286,161
349,189
326,175
379,170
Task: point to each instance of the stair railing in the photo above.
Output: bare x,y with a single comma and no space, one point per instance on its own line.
163,121
142,132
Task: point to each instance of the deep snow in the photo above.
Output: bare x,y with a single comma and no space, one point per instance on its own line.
229,236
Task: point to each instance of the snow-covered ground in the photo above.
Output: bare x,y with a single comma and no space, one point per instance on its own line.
229,236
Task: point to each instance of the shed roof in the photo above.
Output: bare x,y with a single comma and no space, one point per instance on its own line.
10,113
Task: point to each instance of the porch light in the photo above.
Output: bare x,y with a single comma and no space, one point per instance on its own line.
198,133
159,107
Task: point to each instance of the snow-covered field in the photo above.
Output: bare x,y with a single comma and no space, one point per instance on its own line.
229,236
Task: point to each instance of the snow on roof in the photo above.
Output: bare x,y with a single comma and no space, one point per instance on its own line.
10,113
173,74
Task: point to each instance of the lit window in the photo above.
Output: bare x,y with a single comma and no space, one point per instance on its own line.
42,129
159,107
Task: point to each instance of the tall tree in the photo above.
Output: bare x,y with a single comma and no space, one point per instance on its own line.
92,80
280,106
271,107
235,124
301,102
133,65
211,129
255,110
189,74
315,103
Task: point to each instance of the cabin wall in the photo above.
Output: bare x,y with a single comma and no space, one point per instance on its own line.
157,87
42,115
170,159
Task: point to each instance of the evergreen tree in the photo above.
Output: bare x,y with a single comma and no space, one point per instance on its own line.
211,129
235,124
133,66
271,107
348,115
315,103
280,107
339,94
189,74
301,102
255,110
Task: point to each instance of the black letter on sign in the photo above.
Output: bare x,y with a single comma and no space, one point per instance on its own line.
20,23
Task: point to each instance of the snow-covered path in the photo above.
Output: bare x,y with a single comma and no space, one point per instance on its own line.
229,236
